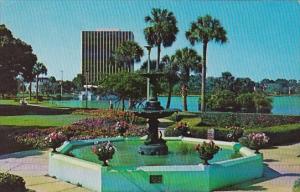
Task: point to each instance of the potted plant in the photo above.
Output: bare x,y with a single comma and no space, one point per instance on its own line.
255,141
104,151
121,127
55,139
207,150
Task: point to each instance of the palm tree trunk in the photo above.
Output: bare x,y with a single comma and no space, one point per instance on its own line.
185,102
158,57
169,96
184,95
37,88
203,83
30,90
123,104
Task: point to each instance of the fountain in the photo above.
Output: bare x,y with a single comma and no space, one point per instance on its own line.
154,144
172,167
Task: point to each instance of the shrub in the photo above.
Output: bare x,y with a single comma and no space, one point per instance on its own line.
9,182
222,101
245,120
246,102
199,132
183,128
263,103
296,187
281,134
182,115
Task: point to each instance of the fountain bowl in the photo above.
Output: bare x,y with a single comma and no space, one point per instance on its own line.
134,172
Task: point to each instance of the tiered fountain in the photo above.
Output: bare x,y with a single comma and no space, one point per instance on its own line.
154,144
163,171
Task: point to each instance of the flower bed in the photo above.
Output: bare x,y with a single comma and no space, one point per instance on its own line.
84,129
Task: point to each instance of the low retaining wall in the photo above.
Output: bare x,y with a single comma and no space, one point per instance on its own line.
157,178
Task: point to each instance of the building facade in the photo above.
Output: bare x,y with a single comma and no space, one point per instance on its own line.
97,50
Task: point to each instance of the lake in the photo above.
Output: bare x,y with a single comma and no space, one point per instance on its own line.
282,105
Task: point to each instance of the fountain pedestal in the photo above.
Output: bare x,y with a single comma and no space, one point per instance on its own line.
154,144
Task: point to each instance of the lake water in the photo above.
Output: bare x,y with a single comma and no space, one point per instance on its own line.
283,105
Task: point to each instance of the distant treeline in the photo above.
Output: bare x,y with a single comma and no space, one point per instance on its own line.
242,85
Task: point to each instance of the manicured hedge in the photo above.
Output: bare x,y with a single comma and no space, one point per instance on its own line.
279,135
9,182
245,120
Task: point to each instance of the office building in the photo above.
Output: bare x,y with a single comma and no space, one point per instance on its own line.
97,50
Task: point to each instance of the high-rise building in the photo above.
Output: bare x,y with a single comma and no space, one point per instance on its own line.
97,49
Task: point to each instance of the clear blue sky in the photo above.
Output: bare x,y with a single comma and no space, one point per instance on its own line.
264,37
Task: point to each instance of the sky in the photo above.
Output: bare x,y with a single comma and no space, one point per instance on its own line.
264,36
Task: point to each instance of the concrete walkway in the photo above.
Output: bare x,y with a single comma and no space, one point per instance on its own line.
33,167
282,169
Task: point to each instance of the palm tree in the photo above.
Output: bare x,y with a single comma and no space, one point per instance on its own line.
162,30
171,75
187,60
127,53
204,30
38,69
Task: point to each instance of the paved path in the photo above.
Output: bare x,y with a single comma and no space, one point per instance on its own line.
33,167
283,168
281,171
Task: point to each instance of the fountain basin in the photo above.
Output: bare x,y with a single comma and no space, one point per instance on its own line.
128,172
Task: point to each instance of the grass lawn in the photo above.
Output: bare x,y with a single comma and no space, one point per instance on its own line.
39,120
8,102
16,119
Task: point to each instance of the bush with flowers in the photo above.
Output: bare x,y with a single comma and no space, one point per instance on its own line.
121,127
207,150
104,151
255,141
183,128
55,139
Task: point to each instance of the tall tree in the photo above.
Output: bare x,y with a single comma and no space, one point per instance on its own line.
16,58
78,82
171,75
204,30
162,30
38,69
127,53
187,60
126,86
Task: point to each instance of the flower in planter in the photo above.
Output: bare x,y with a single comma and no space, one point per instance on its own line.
55,139
121,127
183,128
207,151
104,151
255,141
